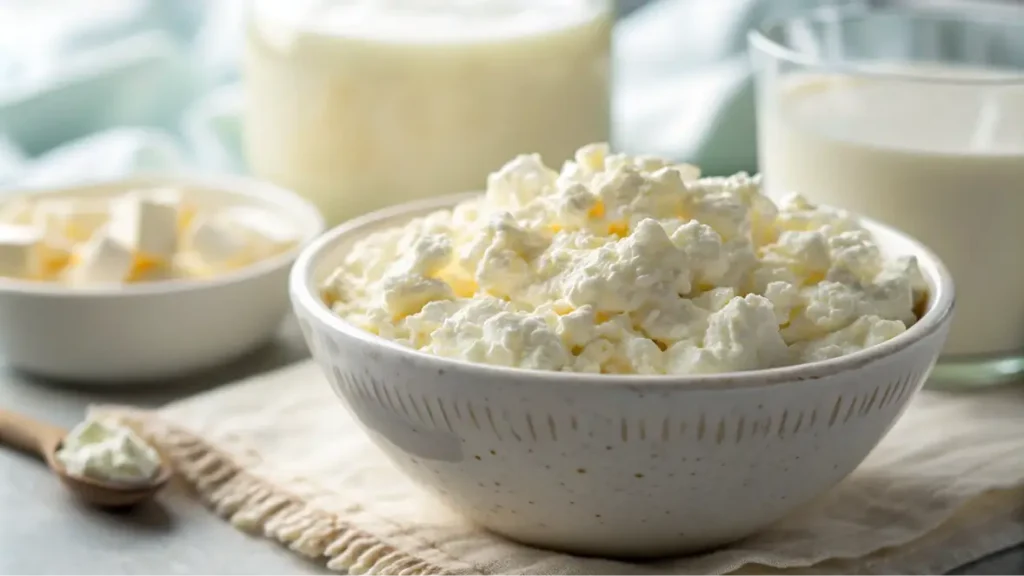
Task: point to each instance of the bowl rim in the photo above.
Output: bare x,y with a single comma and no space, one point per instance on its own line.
307,218
305,295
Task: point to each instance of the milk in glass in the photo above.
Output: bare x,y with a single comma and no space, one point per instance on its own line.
939,156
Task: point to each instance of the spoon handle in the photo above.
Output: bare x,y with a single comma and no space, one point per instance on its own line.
26,434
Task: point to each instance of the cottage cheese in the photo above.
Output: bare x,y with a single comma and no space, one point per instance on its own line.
631,265
108,452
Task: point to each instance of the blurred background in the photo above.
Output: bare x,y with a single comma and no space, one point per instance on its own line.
105,87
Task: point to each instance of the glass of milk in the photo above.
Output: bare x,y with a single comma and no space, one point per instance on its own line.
362,104
913,116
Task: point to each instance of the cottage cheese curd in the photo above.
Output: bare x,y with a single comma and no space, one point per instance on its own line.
108,452
629,265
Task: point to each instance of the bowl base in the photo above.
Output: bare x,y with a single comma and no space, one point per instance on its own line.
632,549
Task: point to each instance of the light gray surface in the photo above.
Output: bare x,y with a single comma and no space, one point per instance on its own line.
43,531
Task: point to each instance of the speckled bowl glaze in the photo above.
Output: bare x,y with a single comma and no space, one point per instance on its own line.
626,466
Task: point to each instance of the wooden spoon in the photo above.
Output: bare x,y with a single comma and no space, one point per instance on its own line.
44,440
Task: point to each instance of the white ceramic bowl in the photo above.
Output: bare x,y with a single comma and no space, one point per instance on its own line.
155,330
617,465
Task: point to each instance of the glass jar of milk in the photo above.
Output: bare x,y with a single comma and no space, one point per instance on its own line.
915,117
361,104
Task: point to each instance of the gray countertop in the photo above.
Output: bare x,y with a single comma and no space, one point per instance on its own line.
43,531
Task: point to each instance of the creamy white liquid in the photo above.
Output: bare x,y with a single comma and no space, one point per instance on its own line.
363,104
943,162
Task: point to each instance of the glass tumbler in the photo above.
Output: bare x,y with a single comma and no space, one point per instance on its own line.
912,114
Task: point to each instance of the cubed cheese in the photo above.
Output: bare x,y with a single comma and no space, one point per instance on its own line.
187,210
70,220
142,235
17,211
266,233
21,251
102,260
217,244
147,227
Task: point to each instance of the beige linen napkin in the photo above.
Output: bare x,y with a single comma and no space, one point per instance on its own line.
279,455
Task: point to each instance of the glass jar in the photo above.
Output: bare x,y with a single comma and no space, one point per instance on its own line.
912,115
359,105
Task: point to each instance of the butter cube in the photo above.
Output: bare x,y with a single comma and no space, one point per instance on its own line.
70,220
187,210
217,244
147,227
102,260
266,233
18,211
21,251
238,236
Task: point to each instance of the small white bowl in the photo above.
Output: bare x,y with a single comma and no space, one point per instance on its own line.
155,330
636,466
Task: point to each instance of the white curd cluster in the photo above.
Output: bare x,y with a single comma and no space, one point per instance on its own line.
627,265
108,452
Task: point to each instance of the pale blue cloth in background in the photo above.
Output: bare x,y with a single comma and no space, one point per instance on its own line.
101,88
